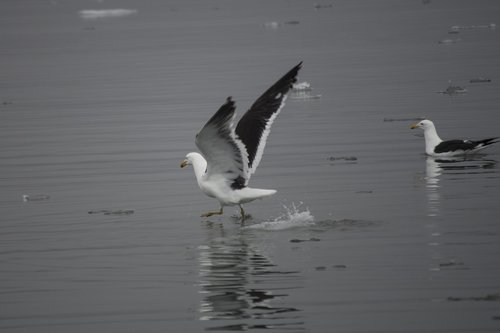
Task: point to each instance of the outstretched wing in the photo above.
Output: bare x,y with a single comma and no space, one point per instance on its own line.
255,125
218,144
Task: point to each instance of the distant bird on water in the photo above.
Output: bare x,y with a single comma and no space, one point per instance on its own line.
229,155
434,146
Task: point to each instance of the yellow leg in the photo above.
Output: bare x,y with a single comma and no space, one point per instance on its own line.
208,214
242,213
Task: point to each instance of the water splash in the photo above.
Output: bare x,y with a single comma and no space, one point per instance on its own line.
291,218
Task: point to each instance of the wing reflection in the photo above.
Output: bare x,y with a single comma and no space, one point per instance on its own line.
242,287
454,168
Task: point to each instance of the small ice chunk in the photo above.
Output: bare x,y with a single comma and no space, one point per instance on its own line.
35,197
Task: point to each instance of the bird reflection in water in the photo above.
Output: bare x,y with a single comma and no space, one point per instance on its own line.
242,287
432,173
456,167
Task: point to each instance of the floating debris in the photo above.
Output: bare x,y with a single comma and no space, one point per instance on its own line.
343,158
112,212
491,26
453,90
273,25
451,264
345,224
340,266
403,119
35,197
449,41
320,268
93,14
295,240
479,80
319,6
487,298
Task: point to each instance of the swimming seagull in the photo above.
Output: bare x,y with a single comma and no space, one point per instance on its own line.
434,146
229,155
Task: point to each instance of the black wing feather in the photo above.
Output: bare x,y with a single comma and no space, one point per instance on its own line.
462,145
253,123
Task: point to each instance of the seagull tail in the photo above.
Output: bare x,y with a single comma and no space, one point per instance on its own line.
249,194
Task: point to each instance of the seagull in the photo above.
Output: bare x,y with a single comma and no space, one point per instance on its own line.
434,146
230,155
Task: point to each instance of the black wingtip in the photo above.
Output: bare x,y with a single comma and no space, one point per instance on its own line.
230,103
291,76
295,70
491,141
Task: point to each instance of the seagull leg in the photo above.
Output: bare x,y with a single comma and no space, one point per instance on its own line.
242,214
208,214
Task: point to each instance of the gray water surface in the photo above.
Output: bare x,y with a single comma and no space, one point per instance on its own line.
96,115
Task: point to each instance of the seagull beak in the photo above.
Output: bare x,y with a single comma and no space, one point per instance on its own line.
184,164
414,126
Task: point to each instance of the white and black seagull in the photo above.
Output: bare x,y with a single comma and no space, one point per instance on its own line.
434,146
229,155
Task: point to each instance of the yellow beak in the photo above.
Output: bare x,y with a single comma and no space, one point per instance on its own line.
414,126
184,164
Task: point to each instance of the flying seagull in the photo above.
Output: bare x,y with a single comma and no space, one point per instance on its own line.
434,146
229,155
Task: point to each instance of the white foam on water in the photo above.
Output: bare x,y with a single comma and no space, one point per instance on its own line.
291,218
92,14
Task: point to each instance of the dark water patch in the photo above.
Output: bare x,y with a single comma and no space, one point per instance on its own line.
312,239
480,80
452,265
345,224
322,6
342,159
486,298
449,41
112,212
340,266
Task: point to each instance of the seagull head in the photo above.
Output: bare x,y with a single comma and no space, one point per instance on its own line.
192,158
424,124
187,161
